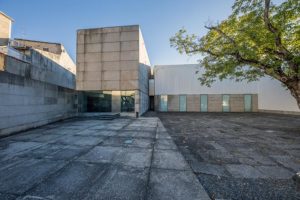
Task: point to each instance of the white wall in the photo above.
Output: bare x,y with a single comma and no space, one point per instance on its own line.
273,96
182,79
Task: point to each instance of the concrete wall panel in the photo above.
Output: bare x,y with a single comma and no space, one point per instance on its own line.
130,46
129,55
215,103
237,103
193,103
173,103
111,46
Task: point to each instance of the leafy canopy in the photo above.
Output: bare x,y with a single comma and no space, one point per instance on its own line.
258,39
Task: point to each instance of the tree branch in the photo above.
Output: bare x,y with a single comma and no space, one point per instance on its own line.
284,52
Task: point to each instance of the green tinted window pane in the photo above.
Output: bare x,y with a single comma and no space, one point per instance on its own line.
182,103
97,101
203,103
127,101
163,103
225,103
248,102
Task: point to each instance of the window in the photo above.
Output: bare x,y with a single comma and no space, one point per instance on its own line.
97,101
182,103
45,49
127,101
163,103
248,102
203,102
225,103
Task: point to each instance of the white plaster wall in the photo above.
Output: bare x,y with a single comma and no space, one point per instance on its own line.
182,79
273,96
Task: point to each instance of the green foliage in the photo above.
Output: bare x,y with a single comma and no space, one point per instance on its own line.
258,39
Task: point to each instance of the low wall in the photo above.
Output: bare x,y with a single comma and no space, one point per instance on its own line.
29,97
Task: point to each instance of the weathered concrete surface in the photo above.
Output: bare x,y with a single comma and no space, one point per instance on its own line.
125,158
114,59
239,155
33,94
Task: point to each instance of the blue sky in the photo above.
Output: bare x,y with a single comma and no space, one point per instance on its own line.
58,20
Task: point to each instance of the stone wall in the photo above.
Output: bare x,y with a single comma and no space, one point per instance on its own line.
34,94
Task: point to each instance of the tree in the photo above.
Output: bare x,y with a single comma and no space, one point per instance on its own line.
259,38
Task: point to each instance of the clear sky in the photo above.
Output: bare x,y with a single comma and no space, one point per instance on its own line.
58,20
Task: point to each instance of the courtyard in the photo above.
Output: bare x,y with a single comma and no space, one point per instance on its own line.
125,158
159,156
239,155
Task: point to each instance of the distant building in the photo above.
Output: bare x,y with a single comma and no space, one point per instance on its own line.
113,70
177,88
113,75
5,27
37,82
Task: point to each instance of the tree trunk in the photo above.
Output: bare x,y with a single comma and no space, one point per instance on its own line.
294,88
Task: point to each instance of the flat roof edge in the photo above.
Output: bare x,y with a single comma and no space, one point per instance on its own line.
107,27
8,17
38,41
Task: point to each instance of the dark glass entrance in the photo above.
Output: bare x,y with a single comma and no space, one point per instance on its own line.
98,101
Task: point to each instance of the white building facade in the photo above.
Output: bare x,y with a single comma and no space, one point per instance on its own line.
177,88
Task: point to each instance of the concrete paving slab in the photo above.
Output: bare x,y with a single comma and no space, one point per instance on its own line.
46,138
128,142
135,157
69,183
4,196
165,144
120,182
12,149
163,135
288,162
138,128
79,140
208,168
73,162
23,176
169,159
56,152
92,132
101,154
175,185
137,134
244,171
275,172
23,137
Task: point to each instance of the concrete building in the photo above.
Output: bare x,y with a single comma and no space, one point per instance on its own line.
35,89
39,82
177,88
5,27
53,51
113,75
113,70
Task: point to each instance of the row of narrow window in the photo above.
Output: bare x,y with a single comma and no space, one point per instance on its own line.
204,103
